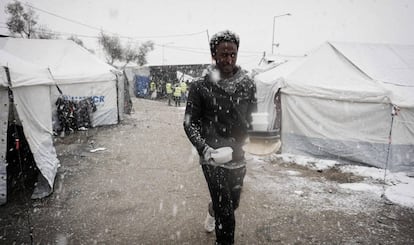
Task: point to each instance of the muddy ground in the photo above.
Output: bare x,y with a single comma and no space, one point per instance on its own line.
146,187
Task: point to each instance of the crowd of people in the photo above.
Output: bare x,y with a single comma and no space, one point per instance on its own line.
175,93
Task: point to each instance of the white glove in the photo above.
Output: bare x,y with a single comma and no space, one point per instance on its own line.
207,152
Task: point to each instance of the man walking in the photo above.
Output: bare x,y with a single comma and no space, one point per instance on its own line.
218,114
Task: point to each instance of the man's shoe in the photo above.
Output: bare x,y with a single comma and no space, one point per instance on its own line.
210,223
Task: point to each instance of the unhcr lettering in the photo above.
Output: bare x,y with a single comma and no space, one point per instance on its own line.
97,99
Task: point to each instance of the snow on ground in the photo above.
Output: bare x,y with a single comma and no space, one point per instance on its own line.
398,187
364,194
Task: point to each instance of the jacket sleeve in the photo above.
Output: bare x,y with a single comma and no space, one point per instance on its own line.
192,118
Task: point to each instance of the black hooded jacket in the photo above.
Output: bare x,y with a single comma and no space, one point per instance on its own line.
218,113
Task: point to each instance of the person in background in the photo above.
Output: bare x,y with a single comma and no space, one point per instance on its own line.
153,90
218,114
177,94
183,85
169,91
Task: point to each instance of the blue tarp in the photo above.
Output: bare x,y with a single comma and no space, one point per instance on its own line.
141,86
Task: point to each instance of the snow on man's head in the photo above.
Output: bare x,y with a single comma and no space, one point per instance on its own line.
223,36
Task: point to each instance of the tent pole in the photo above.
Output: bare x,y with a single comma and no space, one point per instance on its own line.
394,112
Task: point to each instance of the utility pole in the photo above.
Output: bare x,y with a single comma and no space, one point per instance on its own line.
163,47
273,36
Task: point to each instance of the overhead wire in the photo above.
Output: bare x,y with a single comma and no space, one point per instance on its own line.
64,18
101,29
134,39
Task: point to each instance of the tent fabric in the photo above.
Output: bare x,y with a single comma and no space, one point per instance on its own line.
24,73
35,67
269,83
67,61
339,103
339,129
129,76
103,94
328,74
383,62
36,118
265,95
37,126
29,83
78,73
391,65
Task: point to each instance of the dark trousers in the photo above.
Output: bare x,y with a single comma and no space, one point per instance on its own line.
169,97
177,100
225,187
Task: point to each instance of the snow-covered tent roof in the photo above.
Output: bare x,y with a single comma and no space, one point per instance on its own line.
67,61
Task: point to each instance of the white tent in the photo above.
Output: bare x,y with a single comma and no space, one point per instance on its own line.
268,81
35,67
31,88
182,77
78,73
338,104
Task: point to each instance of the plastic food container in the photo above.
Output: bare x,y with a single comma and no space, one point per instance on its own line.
260,117
260,121
223,155
260,126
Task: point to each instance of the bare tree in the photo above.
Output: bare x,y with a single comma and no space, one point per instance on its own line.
112,47
143,50
129,53
21,21
136,53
